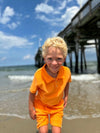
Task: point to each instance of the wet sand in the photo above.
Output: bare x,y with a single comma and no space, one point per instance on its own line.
17,125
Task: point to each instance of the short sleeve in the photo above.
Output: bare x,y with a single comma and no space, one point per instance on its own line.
70,80
34,86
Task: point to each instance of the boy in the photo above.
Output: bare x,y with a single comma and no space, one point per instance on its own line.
49,89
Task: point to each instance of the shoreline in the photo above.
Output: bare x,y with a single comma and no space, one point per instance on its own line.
10,124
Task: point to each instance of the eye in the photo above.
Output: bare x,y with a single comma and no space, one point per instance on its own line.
49,59
59,59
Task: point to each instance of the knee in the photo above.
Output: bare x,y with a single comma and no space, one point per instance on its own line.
43,129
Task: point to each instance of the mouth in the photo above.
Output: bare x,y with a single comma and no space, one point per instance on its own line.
55,69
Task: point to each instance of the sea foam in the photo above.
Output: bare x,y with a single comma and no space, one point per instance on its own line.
15,115
85,77
71,117
20,77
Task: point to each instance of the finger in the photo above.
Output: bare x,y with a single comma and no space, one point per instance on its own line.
65,105
34,117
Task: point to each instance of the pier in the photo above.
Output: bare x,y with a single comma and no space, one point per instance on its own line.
84,26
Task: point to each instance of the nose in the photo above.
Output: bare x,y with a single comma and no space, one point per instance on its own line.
54,62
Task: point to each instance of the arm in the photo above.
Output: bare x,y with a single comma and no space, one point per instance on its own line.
31,111
66,90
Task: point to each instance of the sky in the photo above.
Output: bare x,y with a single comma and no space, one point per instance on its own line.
26,24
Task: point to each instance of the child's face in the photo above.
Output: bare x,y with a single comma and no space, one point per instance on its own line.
54,59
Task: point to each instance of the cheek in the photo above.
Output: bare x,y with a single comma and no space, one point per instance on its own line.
60,63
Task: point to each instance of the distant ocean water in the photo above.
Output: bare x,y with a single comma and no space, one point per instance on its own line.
84,92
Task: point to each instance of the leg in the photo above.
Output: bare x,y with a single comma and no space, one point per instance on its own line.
56,122
56,129
41,117
43,129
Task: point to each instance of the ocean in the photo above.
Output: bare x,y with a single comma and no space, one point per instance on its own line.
83,100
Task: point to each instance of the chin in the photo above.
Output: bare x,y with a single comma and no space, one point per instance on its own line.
55,72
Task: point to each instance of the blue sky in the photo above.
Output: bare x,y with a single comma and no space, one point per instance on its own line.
26,24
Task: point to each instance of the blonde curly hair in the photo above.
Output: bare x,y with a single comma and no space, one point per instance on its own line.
57,42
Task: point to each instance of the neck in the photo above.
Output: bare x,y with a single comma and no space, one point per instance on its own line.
54,75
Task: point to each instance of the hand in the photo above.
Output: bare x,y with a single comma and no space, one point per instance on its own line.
65,102
32,114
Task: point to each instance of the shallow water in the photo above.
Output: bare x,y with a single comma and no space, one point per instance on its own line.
83,101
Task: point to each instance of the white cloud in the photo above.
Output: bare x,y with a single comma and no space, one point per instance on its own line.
63,20
27,57
62,5
51,21
47,9
43,18
44,8
61,14
70,12
7,14
6,18
9,41
13,25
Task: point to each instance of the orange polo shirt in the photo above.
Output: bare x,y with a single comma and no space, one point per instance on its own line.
50,90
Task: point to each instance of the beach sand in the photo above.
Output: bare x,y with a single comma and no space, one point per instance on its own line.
17,125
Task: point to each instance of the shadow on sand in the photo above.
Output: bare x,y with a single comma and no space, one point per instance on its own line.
49,131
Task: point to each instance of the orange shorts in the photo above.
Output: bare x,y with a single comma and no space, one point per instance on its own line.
44,113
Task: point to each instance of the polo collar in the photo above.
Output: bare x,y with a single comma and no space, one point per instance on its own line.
48,78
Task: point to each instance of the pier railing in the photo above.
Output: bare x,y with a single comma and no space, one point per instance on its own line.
86,10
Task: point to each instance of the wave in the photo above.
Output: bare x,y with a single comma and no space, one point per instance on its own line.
98,81
85,77
81,77
65,116
81,116
15,115
20,77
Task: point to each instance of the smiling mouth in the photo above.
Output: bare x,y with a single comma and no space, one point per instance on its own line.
55,69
